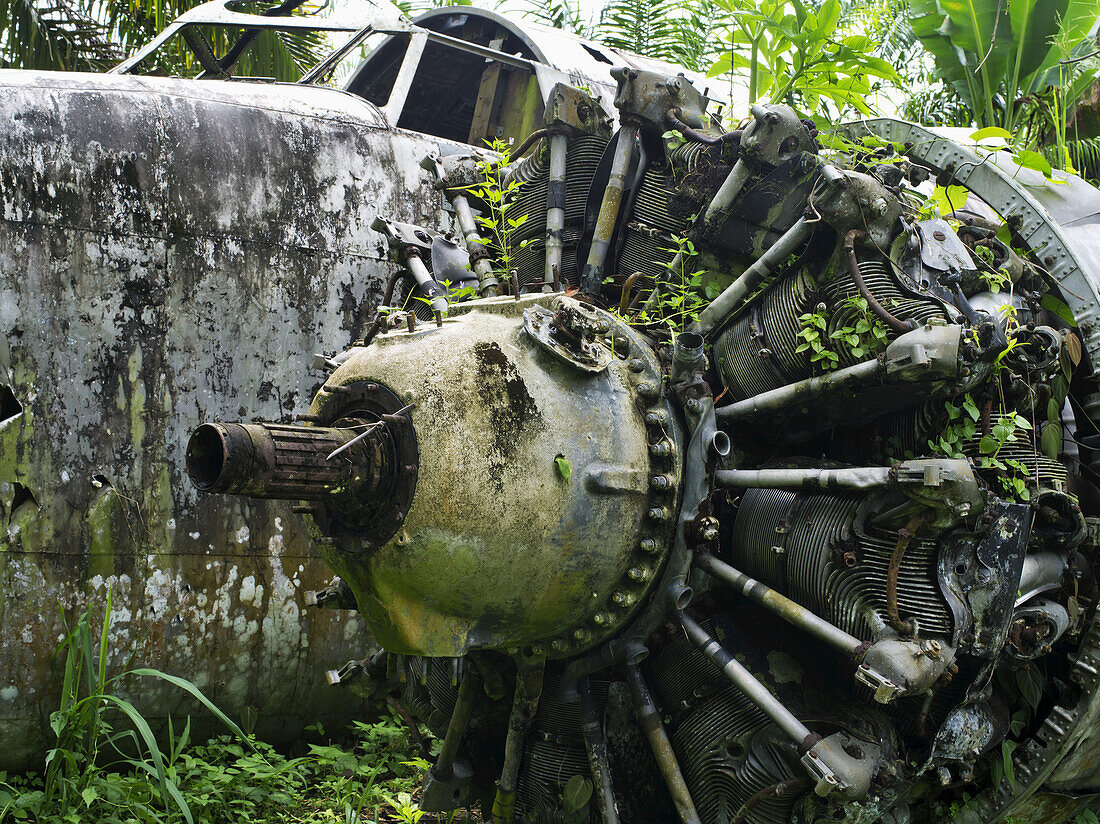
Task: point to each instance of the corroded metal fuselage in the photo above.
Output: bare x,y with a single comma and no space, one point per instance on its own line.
168,250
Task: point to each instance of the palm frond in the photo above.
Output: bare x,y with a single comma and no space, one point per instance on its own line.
559,14
1084,153
679,31
53,34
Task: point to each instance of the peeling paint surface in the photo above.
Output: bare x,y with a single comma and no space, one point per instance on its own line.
173,252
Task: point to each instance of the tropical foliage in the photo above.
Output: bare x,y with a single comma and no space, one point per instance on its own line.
792,53
998,55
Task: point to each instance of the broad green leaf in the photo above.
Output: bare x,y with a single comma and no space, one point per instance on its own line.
992,131
1052,440
576,794
1033,160
1052,304
565,469
949,198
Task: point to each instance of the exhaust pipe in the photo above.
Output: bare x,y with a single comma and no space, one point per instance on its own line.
263,460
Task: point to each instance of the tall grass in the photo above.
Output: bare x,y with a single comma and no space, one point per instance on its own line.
108,767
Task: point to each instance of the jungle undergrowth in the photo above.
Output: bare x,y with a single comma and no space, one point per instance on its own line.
109,766
676,301
861,335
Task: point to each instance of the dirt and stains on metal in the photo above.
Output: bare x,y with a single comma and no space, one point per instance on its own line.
173,252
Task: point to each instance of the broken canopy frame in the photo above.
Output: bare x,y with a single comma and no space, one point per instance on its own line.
556,56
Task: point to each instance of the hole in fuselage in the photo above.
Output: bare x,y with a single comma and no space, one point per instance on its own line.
21,496
9,404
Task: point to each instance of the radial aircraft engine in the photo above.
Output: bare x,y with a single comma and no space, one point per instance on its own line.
753,488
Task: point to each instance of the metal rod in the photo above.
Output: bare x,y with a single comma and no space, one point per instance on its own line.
731,187
555,207
524,704
856,477
687,131
801,391
761,268
596,748
353,441
456,728
781,605
747,683
592,276
650,721
410,722
896,324
402,84
427,283
487,282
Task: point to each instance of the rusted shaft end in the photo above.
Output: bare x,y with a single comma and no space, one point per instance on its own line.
272,460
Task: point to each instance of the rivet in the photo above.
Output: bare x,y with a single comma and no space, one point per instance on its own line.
657,417
600,619
581,634
636,365
648,545
559,646
648,390
660,482
638,574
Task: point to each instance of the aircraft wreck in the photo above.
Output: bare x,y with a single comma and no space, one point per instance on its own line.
821,550
172,251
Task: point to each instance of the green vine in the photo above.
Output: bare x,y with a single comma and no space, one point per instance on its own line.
960,431
865,335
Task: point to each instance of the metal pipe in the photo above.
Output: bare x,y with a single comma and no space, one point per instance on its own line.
427,283
782,606
479,256
443,769
775,790
1042,571
275,461
855,477
487,282
687,356
555,208
729,190
538,134
762,267
596,748
861,374
524,704
592,276
895,323
695,135
650,721
628,288
747,683
905,535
